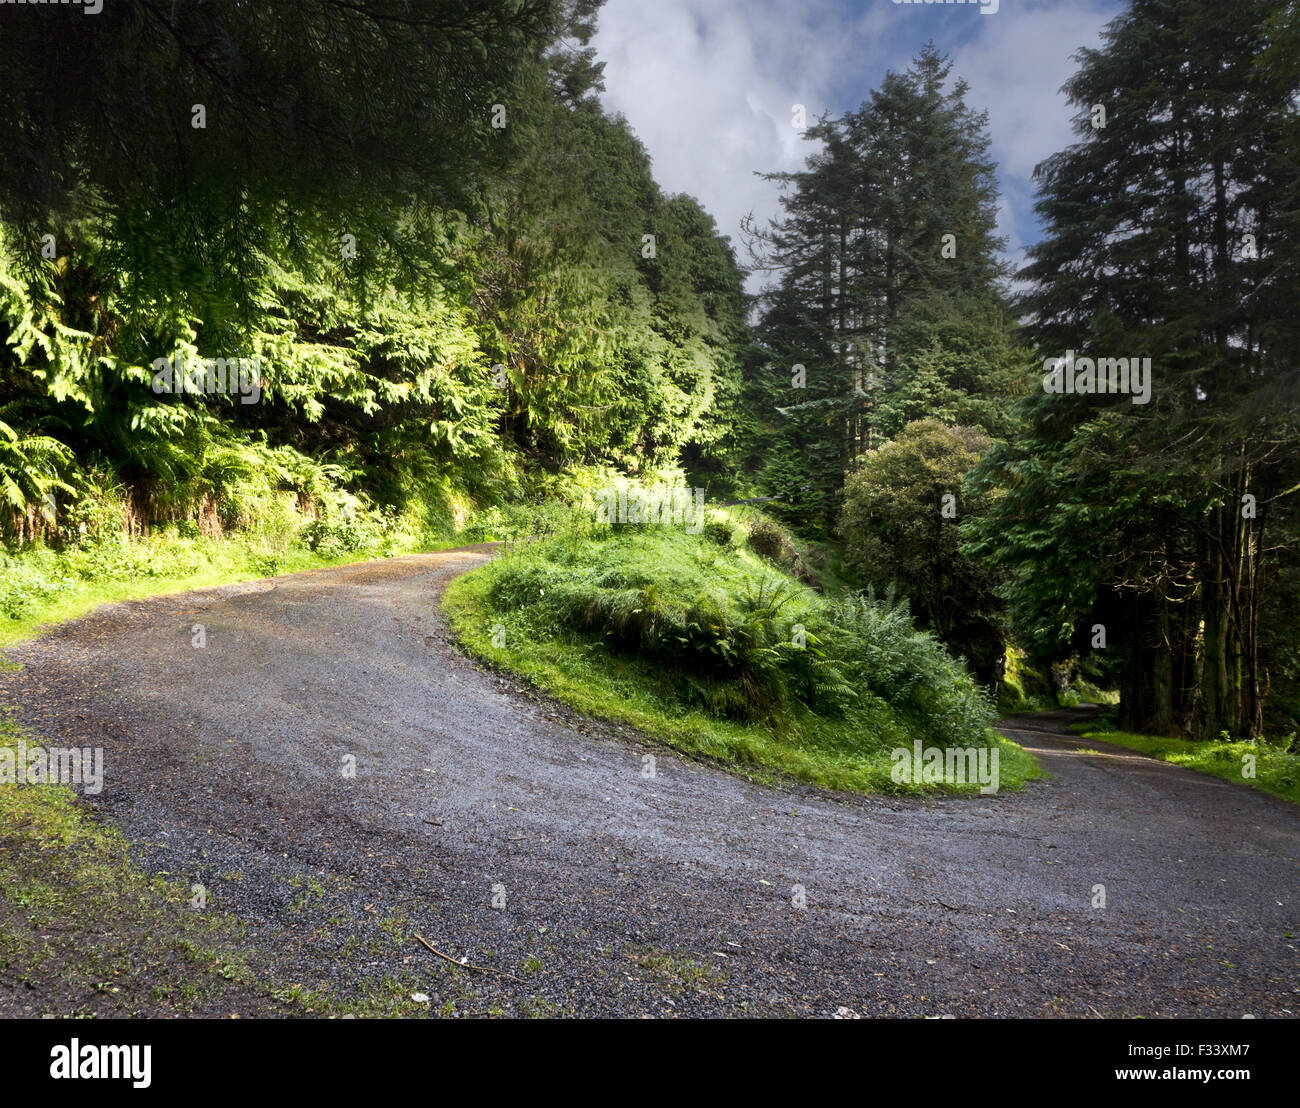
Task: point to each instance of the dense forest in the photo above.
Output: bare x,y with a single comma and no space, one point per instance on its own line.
451,285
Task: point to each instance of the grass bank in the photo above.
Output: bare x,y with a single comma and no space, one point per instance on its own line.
1274,770
706,642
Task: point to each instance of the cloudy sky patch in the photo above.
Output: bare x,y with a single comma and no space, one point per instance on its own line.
710,85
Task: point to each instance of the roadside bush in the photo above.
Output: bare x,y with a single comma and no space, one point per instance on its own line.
720,528
881,650
23,586
769,539
334,538
497,523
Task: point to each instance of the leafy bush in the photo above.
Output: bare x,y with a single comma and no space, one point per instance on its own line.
769,539
772,540
31,473
720,528
518,521
334,538
881,649
896,533
23,587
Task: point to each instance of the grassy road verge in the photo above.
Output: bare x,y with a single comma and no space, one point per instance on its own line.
691,639
1256,765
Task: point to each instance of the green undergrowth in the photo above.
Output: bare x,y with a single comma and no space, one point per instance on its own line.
1025,688
720,650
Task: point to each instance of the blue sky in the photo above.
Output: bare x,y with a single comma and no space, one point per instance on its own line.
709,85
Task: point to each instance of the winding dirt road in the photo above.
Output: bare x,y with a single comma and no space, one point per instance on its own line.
624,895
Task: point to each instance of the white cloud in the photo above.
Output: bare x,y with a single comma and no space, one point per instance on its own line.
709,85
710,88
1015,68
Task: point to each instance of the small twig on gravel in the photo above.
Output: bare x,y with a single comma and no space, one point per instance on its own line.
465,965
948,906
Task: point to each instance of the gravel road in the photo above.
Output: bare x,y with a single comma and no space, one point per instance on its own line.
625,895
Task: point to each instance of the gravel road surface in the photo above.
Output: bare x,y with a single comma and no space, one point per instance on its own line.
625,895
